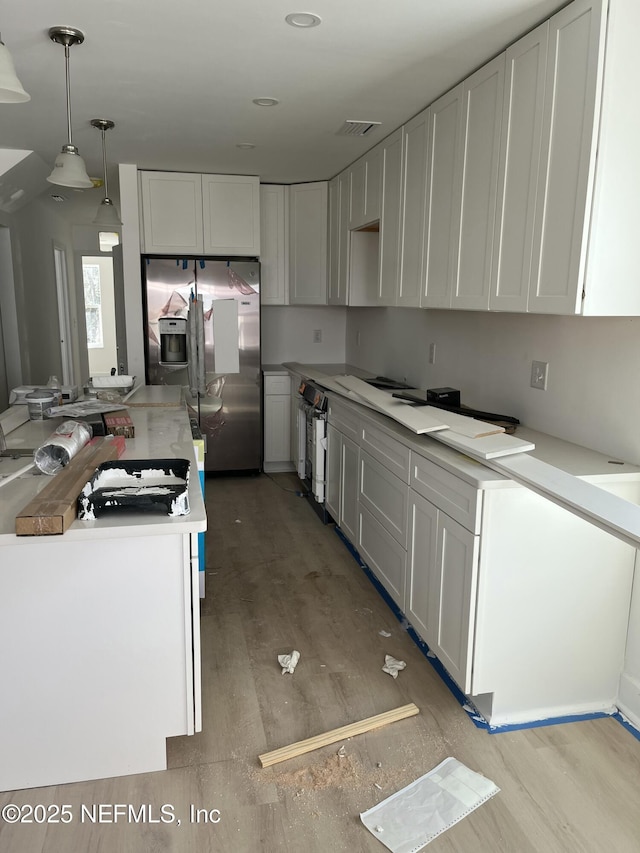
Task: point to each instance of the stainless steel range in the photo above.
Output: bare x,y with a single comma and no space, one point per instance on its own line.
312,435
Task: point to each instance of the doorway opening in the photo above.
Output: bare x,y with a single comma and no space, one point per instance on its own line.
100,314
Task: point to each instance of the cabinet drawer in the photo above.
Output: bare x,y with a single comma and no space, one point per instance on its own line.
386,449
385,496
344,419
383,555
277,385
450,494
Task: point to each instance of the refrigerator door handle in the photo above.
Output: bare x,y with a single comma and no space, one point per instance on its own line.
195,348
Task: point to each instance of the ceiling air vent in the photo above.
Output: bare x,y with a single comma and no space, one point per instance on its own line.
357,128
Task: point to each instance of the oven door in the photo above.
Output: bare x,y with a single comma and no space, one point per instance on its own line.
312,444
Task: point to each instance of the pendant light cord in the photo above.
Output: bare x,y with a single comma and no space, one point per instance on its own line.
104,162
68,82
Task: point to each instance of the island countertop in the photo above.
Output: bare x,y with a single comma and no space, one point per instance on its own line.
160,433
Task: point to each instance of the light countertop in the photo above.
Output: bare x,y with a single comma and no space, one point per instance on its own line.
161,433
155,395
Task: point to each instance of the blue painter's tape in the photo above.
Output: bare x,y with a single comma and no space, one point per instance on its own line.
476,718
628,726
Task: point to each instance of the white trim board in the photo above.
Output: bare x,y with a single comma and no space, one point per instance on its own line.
411,418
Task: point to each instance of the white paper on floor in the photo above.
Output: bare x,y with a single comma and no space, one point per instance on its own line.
289,662
393,666
408,820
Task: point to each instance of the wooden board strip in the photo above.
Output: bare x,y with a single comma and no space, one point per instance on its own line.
333,736
13,418
53,509
416,420
489,447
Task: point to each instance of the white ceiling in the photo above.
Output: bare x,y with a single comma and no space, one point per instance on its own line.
178,78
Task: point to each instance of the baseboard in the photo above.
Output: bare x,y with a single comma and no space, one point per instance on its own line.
629,699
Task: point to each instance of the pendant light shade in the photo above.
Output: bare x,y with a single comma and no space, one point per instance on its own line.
69,169
107,215
11,91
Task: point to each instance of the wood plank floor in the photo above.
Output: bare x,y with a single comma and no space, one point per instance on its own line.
278,580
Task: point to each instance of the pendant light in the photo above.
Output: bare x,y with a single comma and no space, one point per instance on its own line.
69,169
11,91
107,214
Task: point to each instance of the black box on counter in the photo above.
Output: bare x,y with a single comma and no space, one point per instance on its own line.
444,396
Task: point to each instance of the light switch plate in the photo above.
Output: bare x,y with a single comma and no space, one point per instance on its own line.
539,374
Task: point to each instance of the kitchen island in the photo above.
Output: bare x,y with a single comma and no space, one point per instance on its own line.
99,627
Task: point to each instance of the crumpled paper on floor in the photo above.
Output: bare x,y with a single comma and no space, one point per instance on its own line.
289,662
408,820
393,666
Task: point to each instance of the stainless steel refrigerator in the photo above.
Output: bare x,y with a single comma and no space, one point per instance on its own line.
202,331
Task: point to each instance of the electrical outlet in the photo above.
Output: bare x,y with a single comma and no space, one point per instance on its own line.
317,336
539,374
432,353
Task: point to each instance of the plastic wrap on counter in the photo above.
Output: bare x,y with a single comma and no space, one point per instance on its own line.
61,446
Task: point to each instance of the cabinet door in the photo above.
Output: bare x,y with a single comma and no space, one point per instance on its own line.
391,218
443,200
342,296
421,604
349,462
333,472
277,439
357,191
386,558
308,220
454,589
521,138
416,139
338,239
334,241
567,161
231,214
171,212
385,496
366,189
373,197
482,105
273,245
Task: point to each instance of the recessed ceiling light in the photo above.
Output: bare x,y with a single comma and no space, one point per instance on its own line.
303,20
245,145
266,102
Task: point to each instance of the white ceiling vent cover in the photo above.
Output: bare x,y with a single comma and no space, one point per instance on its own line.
357,128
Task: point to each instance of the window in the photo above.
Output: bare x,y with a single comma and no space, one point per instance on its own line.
107,240
92,304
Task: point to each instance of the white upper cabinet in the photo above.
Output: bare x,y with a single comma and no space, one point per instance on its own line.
274,283
366,189
192,214
391,218
567,160
231,206
444,184
308,227
521,138
482,110
339,189
414,199
171,212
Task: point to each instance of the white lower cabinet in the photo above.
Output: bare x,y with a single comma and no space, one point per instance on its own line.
523,603
384,555
277,423
442,572
342,481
